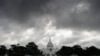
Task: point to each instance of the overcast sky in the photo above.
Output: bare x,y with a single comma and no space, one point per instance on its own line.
67,22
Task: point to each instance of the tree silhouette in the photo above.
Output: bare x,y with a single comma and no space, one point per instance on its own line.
78,50
3,50
93,51
65,51
32,49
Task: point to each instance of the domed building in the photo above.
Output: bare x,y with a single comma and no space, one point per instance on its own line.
50,50
50,45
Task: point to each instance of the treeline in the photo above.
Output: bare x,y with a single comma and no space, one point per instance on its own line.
16,50
78,51
32,49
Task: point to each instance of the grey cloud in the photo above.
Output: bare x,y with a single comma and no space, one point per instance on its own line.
71,40
95,6
15,16
88,19
18,13
19,10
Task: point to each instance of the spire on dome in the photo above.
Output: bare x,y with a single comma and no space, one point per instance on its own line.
50,44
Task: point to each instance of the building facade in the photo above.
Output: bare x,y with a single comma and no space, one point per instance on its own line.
49,50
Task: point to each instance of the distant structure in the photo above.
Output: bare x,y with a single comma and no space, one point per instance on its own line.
50,50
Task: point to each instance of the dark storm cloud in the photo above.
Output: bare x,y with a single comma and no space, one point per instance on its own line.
17,17
89,19
95,5
19,10
85,14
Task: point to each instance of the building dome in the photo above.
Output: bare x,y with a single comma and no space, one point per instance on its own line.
50,50
50,44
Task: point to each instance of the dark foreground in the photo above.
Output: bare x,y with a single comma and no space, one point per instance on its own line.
31,49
